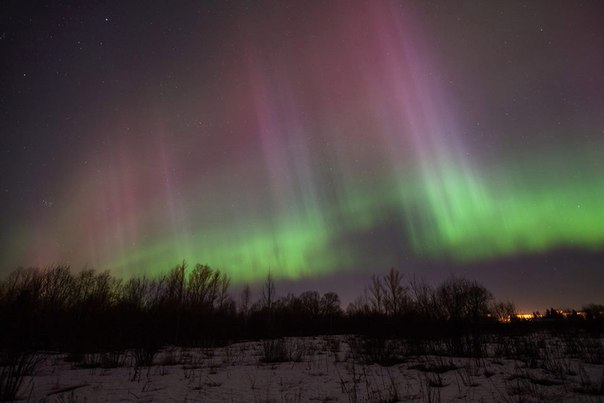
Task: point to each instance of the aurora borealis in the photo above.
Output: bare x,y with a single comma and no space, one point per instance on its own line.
306,138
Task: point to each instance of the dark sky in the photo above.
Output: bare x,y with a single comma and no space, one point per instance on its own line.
324,141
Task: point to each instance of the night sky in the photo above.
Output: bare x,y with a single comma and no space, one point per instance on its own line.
321,140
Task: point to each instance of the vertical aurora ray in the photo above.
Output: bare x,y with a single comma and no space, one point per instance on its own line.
317,135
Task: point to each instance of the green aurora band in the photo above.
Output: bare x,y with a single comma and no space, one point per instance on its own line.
452,215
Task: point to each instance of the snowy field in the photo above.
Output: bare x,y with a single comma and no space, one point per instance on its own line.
326,369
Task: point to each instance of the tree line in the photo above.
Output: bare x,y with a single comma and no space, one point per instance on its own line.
56,308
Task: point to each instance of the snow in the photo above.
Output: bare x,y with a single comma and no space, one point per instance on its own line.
325,371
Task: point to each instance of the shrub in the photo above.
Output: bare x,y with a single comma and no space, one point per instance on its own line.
14,367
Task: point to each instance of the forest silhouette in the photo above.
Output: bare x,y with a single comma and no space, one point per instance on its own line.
56,308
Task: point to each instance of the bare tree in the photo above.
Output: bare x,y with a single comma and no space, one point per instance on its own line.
330,304
134,292
395,295
460,299
503,311
311,303
423,298
376,294
174,284
207,289
360,305
199,286
245,300
56,287
268,292
223,296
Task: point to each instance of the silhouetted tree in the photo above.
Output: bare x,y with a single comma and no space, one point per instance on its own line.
503,311
396,300
245,300
57,287
311,303
376,294
460,299
361,305
330,304
424,299
174,285
268,292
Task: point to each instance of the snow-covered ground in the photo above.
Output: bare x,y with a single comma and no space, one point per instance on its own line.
324,369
